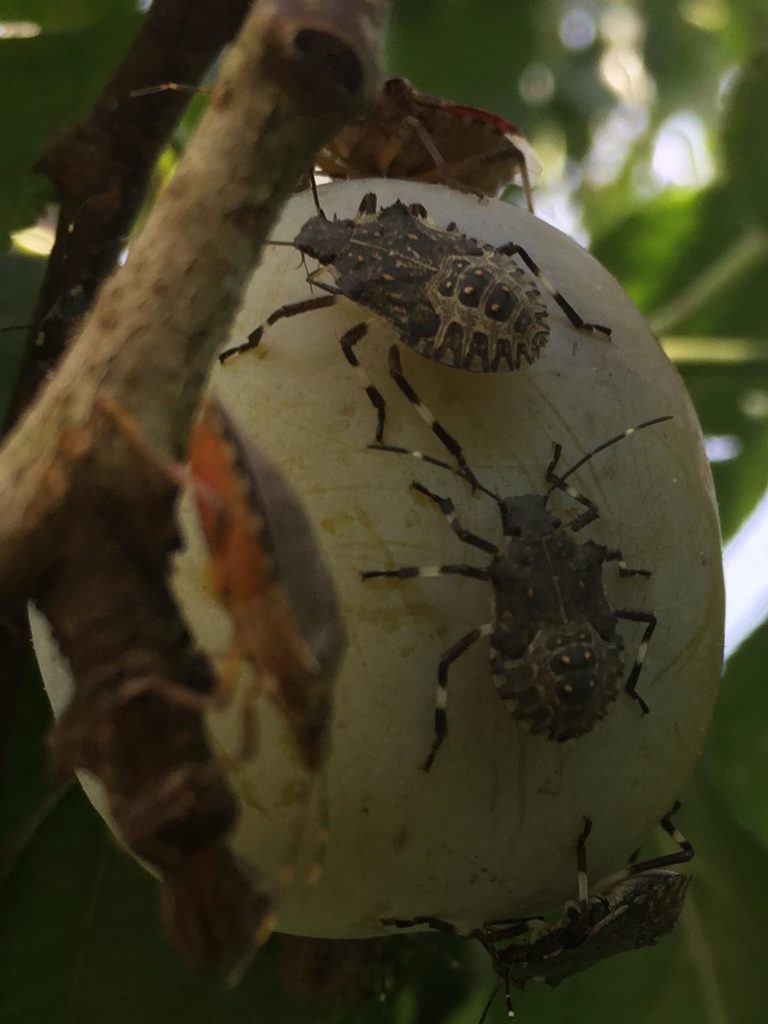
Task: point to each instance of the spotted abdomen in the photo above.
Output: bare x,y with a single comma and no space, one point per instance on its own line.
563,683
491,315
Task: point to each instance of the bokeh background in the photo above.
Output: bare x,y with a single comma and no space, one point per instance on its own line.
651,121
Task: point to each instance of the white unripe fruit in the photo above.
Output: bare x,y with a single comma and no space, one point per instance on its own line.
490,832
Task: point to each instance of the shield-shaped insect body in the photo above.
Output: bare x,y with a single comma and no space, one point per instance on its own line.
556,656
453,299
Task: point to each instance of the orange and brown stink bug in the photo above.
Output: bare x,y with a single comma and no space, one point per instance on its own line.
410,134
268,572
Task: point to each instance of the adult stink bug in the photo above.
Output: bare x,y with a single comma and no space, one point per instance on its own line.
633,911
557,657
265,568
453,299
267,571
412,135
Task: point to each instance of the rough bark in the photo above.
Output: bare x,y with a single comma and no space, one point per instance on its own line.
87,491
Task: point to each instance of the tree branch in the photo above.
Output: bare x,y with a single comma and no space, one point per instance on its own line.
86,514
101,166
100,169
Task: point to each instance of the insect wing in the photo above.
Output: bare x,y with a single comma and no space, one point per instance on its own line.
475,127
643,909
398,139
242,568
640,910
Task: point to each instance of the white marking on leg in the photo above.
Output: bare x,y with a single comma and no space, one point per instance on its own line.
425,414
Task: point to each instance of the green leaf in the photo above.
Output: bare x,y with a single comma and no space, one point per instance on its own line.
53,16
736,760
653,238
46,83
20,278
439,46
745,141
27,789
721,395
657,253
660,251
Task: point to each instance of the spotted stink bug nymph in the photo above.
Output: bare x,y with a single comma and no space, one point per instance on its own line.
632,911
556,655
453,299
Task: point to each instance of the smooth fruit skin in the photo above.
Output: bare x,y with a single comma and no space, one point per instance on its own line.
489,832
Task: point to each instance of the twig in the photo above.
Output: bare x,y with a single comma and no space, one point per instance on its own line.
750,249
714,350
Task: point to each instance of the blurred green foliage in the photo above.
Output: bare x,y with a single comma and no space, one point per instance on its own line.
79,942
49,81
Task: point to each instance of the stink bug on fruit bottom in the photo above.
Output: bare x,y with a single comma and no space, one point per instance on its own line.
410,134
461,840
449,297
557,658
625,913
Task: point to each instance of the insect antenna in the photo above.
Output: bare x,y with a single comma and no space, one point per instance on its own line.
508,996
600,448
472,481
153,90
583,878
488,1004
315,196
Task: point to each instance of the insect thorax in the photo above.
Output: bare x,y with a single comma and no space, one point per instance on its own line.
491,314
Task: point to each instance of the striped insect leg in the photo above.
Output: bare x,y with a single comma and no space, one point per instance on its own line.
512,249
447,439
634,615
348,341
281,313
441,697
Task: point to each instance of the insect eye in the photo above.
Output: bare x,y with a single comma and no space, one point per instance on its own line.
556,523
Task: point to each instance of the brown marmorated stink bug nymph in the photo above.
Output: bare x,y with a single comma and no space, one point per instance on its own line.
450,298
635,910
556,655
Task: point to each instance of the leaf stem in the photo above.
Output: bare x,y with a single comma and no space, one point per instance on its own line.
745,253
